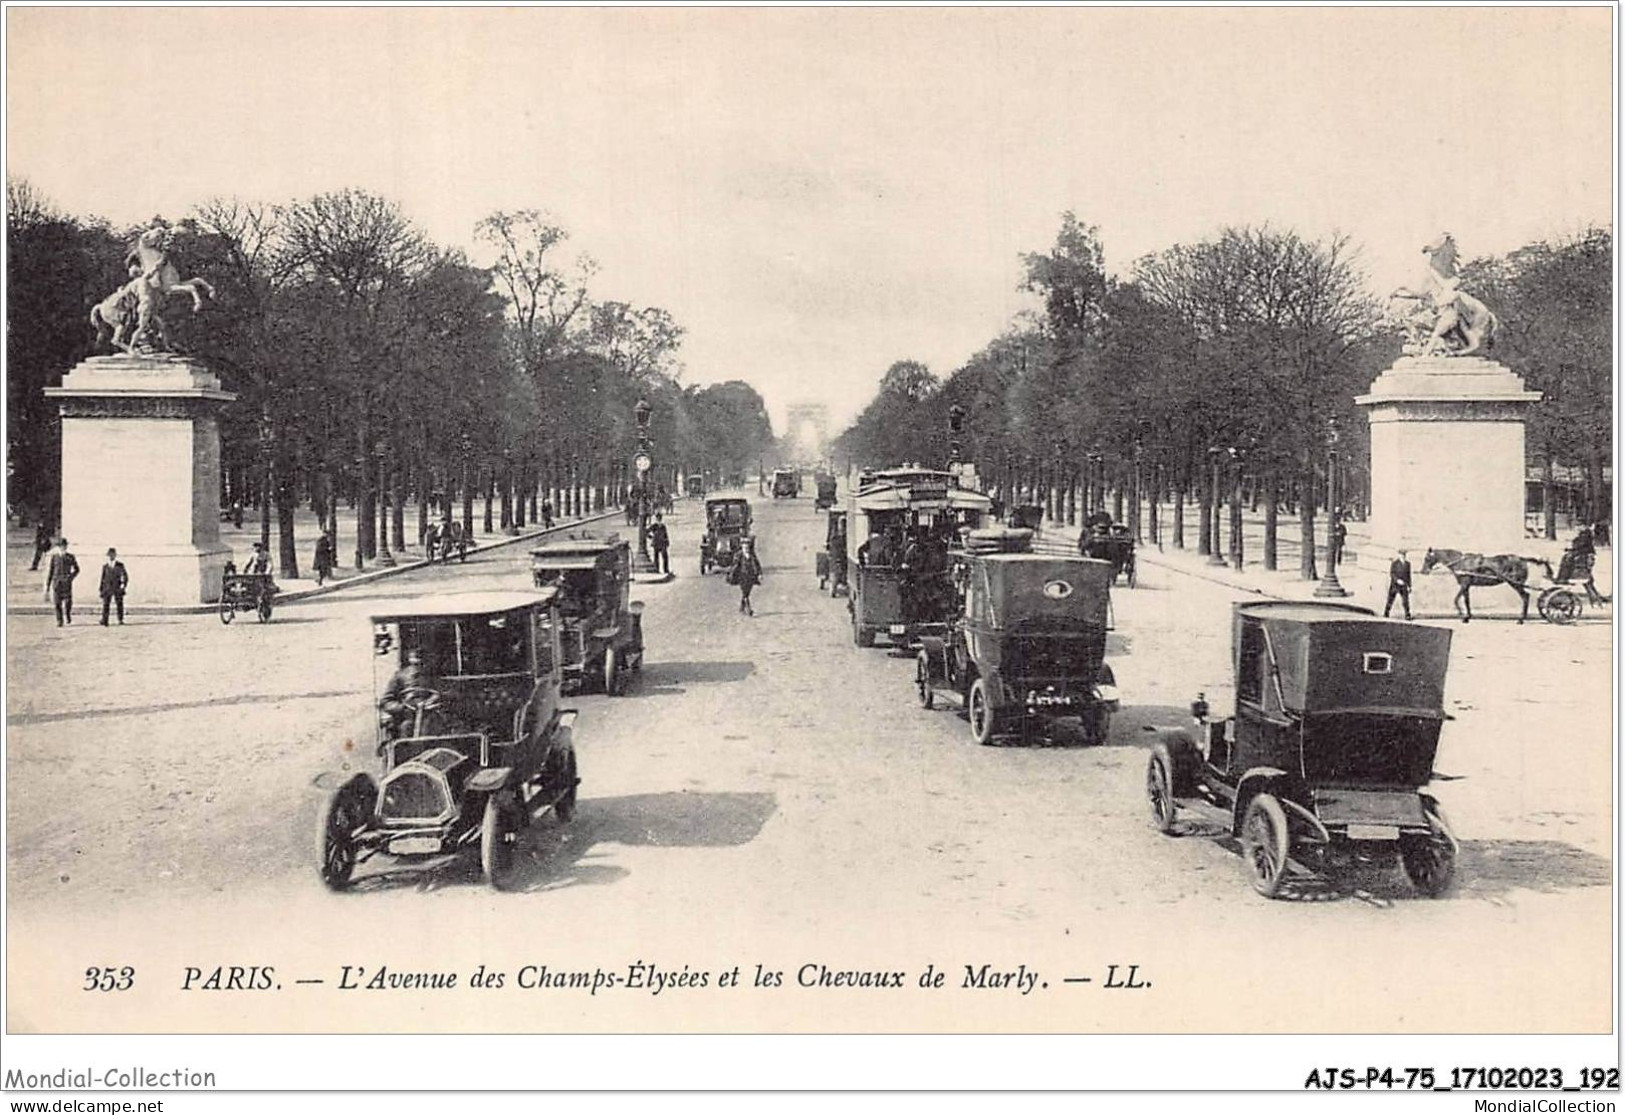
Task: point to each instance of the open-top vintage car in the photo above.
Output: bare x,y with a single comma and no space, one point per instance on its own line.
825,484
1337,722
601,626
1028,642
693,485
786,483
899,513
727,523
472,737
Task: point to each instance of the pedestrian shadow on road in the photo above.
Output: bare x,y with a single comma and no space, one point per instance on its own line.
667,677
175,706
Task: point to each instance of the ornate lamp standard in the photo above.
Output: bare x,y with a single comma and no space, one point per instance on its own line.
466,444
385,558
1095,481
510,527
1329,585
643,461
267,440
956,424
1134,491
1237,535
361,536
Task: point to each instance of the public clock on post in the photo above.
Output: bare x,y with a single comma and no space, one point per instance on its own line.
642,462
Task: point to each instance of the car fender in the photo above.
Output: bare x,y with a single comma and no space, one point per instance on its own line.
488,780
1184,759
1253,782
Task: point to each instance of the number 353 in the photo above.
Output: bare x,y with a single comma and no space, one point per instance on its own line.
109,979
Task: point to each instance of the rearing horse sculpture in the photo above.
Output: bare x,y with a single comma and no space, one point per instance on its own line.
153,278
1477,571
1461,323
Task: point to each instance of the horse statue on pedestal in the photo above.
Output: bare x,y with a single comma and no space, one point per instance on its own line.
153,277
1455,323
1477,571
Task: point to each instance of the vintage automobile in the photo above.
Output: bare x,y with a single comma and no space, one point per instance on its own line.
896,509
1027,643
693,486
601,631
1336,724
831,561
727,522
473,739
786,483
246,592
1111,542
826,491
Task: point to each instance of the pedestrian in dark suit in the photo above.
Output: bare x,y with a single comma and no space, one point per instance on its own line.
1399,584
114,580
59,577
660,539
326,558
747,574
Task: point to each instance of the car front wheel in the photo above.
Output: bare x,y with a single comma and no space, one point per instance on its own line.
1265,844
983,718
499,838
612,677
922,680
1159,791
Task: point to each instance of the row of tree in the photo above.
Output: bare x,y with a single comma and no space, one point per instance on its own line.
375,368
1226,370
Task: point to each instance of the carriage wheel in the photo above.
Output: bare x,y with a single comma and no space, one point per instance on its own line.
1159,792
345,811
1265,844
984,719
1560,606
922,680
1430,861
228,610
499,838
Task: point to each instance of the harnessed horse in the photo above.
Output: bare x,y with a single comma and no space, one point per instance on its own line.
1477,571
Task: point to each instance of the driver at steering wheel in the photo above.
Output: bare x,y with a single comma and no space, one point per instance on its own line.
405,695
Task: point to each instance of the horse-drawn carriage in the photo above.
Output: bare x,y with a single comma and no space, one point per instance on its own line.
1105,540
444,539
1562,601
246,592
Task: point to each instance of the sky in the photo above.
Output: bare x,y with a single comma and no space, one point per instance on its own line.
816,193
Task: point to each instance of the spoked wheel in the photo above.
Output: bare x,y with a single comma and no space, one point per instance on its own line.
1430,861
612,676
565,807
1560,606
499,839
1265,844
228,611
344,812
1159,792
984,720
922,680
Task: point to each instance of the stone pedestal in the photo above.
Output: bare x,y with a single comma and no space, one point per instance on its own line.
1447,458
141,473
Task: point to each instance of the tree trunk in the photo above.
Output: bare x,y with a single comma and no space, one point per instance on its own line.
397,522
1179,515
1306,525
1205,527
425,481
489,479
505,495
1597,503
287,498
363,520
1272,511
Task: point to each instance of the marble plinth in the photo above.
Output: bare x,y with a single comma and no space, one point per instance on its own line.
141,473
1447,457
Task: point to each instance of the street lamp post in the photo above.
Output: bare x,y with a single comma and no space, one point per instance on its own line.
1237,539
361,536
466,444
1094,495
267,437
1134,492
385,558
1329,585
509,525
643,461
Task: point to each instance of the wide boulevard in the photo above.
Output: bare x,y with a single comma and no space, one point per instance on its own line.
767,794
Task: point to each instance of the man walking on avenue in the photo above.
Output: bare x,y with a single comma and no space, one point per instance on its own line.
1399,584
747,574
115,578
42,544
327,554
59,577
661,541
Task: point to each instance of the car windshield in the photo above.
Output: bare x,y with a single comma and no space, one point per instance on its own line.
728,515
576,588
470,646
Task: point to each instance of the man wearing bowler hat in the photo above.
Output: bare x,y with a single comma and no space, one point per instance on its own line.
59,577
114,579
